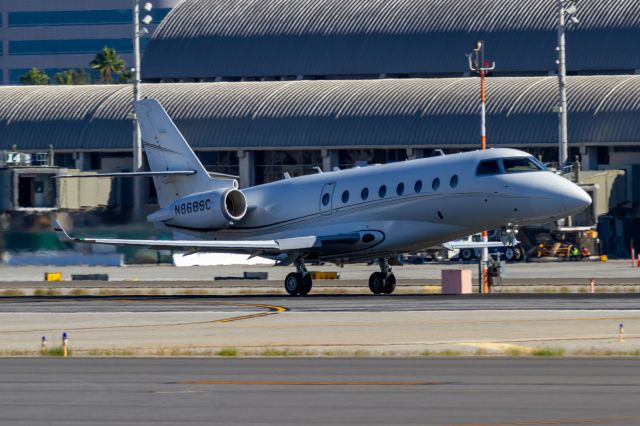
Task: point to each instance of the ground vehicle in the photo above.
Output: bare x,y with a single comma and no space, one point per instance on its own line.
509,252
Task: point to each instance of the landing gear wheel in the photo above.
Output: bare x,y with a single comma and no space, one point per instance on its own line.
376,283
389,284
513,254
519,253
293,283
305,286
467,254
439,256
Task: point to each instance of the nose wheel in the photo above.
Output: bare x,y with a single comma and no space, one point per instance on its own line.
298,283
383,282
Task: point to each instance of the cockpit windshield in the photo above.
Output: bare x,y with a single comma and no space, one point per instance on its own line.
521,165
509,165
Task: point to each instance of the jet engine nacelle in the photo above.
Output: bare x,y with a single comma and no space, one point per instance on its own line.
207,210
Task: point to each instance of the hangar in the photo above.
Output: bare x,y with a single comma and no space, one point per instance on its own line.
208,40
260,130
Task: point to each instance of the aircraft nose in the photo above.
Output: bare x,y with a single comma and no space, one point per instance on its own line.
575,199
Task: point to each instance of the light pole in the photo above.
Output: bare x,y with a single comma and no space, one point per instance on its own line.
566,12
138,32
478,65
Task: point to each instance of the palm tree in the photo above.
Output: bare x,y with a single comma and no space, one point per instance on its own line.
107,62
72,77
126,77
36,77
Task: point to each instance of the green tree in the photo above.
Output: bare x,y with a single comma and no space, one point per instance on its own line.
73,77
35,77
108,63
126,77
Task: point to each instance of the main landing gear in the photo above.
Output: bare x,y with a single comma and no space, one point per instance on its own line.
383,281
299,282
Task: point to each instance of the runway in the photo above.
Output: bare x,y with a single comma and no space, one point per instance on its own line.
324,325
416,391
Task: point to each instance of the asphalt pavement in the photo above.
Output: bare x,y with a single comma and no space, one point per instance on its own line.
424,391
320,303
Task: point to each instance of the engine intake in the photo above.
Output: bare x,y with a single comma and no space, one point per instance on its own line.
207,210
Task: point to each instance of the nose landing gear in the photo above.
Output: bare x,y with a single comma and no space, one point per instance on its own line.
299,282
383,281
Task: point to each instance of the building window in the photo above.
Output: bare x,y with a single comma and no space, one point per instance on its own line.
62,47
345,197
454,181
418,186
382,191
435,184
364,194
79,17
400,188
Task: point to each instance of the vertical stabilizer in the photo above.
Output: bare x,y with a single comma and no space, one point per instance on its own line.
166,149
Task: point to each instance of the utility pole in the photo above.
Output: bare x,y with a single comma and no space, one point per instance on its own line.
566,12
138,32
478,65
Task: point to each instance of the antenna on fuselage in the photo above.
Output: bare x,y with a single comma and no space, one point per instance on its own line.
438,153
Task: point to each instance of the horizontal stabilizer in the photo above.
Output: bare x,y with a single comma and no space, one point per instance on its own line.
132,174
244,246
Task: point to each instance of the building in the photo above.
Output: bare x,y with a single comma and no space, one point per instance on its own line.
260,130
63,34
230,40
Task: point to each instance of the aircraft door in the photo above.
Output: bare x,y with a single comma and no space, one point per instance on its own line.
326,198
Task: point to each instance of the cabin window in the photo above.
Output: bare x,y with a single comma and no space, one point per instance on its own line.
488,167
345,197
520,165
325,199
364,194
382,191
418,186
435,184
400,188
454,181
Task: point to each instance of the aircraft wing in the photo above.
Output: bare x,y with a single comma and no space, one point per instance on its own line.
252,247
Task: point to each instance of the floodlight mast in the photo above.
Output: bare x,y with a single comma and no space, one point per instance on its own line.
478,65
137,139
566,11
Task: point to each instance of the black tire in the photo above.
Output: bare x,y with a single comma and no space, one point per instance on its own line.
438,256
467,254
519,253
510,254
376,283
293,283
389,284
305,286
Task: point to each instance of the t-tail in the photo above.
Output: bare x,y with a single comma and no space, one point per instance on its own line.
191,198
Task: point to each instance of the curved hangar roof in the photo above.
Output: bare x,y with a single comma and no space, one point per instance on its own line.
315,114
206,39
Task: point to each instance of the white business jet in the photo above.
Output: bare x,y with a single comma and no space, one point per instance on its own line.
345,216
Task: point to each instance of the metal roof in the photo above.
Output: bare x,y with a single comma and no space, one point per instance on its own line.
334,114
260,38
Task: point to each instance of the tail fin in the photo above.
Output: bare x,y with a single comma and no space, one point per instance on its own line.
167,150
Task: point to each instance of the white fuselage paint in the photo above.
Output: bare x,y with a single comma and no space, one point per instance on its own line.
403,222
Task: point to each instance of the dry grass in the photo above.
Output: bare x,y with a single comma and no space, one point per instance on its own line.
78,292
12,292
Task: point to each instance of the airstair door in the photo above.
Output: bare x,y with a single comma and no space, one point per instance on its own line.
326,198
